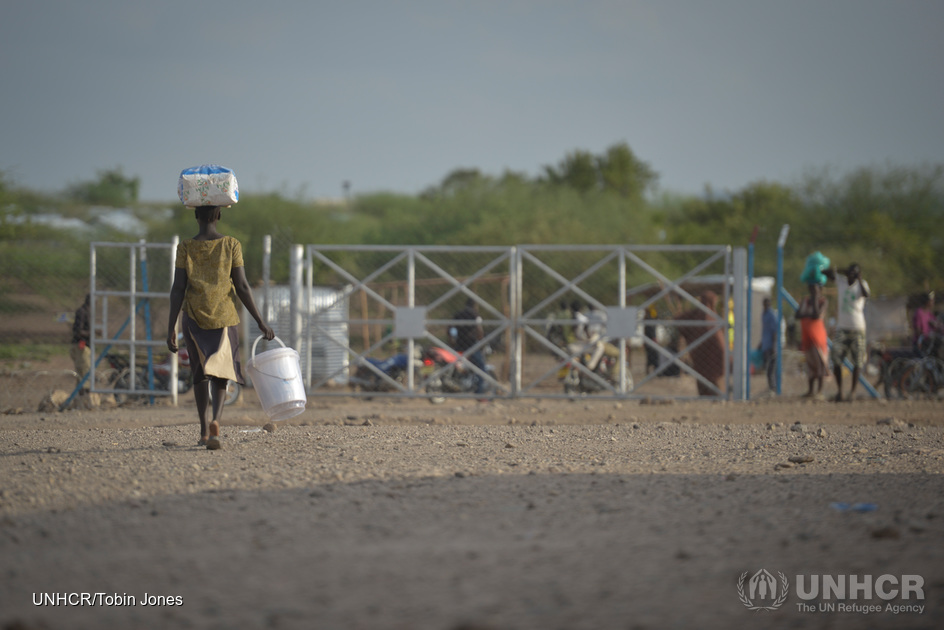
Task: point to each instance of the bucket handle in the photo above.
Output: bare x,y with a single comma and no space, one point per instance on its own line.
252,355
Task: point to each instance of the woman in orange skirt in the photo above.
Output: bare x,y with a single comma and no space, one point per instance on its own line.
814,340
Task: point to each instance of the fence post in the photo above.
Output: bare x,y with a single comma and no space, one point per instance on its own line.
296,295
740,323
784,231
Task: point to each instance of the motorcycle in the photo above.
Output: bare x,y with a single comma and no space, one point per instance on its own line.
446,373
578,380
381,375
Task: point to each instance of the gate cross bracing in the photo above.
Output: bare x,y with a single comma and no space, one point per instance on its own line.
405,294
401,299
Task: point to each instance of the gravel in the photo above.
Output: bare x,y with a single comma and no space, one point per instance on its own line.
525,514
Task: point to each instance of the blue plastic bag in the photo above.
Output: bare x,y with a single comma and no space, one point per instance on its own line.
757,358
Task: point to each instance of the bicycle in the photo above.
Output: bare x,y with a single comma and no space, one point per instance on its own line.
920,375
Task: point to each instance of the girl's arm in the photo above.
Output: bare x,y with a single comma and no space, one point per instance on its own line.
244,293
176,302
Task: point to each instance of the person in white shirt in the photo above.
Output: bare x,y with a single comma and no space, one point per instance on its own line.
849,342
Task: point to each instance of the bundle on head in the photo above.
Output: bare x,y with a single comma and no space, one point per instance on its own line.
813,271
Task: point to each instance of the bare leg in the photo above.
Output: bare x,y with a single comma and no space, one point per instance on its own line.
218,394
216,389
201,394
855,381
837,372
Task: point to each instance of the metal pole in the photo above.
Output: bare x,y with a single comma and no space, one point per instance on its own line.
92,313
133,335
514,287
625,369
266,275
750,314
295,306
145,286
309,316
740,372
411,303
784,231
174,362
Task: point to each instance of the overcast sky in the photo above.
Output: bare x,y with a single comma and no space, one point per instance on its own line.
393,95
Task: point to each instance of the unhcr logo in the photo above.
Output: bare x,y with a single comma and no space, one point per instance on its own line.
896,594
763,590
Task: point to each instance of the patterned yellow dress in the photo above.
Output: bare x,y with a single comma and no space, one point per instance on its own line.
210,317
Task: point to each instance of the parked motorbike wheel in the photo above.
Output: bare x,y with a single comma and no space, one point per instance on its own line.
126,381
233,390
434,386
576,382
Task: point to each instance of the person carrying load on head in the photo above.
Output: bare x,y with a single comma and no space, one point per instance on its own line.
209,277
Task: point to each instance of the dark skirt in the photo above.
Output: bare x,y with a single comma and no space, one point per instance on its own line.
212,352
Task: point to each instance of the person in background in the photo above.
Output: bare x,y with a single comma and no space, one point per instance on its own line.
927,329
853,292
209,276
80,351
467,335
708,356
768,343
814,342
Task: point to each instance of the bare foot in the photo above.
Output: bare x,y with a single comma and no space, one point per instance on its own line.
213,442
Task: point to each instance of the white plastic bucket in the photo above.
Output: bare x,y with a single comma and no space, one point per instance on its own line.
277,376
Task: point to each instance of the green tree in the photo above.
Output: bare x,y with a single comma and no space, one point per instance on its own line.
618,170
578,170
625,174
112,188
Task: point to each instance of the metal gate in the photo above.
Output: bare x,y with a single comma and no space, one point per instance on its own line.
129,303
402,302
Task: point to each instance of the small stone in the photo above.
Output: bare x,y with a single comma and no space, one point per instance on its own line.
891,422
821,433
798,427
801,459
886,532
269,427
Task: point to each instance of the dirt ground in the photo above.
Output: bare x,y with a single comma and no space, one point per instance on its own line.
476,515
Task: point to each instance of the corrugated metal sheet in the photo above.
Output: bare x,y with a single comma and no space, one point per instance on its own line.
328,309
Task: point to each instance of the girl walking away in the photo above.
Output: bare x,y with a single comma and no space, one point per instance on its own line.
209,276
